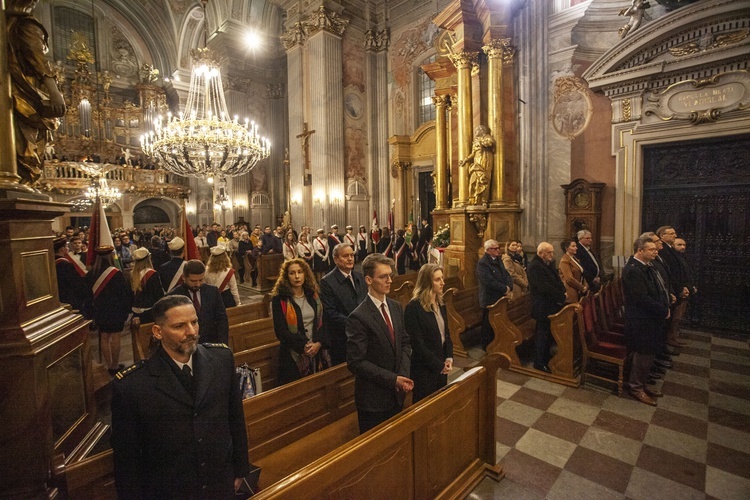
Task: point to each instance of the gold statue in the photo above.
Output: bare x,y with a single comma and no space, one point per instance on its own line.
480,164
37,101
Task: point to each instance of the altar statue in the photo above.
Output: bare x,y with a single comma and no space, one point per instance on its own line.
37,101
480,164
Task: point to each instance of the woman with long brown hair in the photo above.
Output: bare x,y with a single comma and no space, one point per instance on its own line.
426,320
298,322
513,262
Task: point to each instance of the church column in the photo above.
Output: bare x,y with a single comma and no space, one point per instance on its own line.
441,158
463,62
499,52
276,171
326,93
293,40
376,94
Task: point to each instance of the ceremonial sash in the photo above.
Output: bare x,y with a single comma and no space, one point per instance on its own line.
351,241
145,276
322,247
307,249
71,260
177,280
102,281
225,277
388,249
400,250
291,249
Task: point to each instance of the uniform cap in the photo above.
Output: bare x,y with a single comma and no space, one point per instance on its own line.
176,243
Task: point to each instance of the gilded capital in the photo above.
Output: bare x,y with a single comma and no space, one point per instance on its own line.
293,36
463,59
440,100
325,20
500,48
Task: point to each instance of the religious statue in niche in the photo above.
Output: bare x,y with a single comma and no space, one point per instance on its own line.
479,163
571,108
37,101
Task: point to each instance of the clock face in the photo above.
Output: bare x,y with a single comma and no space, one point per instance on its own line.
581,200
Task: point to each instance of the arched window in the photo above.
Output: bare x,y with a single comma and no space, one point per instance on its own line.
425,107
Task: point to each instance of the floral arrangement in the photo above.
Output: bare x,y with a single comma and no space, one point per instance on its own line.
442,238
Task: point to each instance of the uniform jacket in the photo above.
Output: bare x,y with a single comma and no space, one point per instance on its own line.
646,308
429,352
72,287
546,288
150,293
212,320
493,279
169,444
168,270
373,359
339,300
112,306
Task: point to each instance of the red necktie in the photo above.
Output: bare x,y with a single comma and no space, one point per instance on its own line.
196,303
388,322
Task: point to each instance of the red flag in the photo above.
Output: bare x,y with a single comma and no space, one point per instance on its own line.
190,251
375,232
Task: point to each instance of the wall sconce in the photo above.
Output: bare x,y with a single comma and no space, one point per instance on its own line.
296,199
318,199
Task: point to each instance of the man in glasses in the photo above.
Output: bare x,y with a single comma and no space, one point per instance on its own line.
494,282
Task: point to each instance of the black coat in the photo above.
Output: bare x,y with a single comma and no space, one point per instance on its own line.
169,444
212,320
428,351
671,260
158,257
289,341
339,300
493,279
546,288
646,308
589,265
112,306
150,293
373,359
73,288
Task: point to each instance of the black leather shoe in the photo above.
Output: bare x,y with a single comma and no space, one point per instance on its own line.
543,368
672,351
655,375
664,357
663,364
651,381
658,369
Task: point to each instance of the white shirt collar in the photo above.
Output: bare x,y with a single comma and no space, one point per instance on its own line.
378,303
189,363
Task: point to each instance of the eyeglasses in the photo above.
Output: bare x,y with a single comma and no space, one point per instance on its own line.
493,248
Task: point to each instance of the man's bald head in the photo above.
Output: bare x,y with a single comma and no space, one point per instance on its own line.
545,251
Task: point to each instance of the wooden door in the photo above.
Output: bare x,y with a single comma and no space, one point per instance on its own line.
702,188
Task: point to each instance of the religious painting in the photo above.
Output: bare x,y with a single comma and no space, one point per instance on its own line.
408,46
571,108
260,181
353,57
353,105
354,150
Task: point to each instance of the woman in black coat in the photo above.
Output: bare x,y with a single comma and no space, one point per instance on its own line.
112,302
426,322
298,320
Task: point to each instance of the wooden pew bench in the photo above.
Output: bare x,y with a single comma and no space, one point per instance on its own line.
513,326
251,334
290,426
415,454
464,314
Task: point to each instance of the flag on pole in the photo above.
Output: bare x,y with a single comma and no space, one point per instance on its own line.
190,250
375,232
99,235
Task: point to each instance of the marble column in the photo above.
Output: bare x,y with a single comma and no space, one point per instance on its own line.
463,62
326,145
278,186
376,94
441,157
498,52
293,41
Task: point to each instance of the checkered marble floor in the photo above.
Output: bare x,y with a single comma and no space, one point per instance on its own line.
560,442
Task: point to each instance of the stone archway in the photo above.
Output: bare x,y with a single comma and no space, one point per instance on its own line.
167,212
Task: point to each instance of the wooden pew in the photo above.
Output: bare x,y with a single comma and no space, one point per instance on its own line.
251,334
416,454
141,334
265,358
403,293
513,325
464,314
400,279
268,266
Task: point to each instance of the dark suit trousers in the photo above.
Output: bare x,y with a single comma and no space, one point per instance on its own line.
542,342
640,367
369,419
488,334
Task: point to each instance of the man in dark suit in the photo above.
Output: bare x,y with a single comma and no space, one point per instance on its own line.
158,255
178,427
171,272
378,350
494,282
341,291
269,243
212,315
646,310
547,297
213,235
589,262
680,283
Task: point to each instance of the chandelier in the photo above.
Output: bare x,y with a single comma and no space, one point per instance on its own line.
204,141
99,189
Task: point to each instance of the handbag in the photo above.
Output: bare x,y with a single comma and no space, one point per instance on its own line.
250,381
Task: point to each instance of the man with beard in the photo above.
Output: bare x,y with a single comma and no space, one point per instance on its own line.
212,315
178,426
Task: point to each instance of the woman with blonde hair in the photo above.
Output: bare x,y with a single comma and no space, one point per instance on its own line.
146,285
513,262
426,320
219,273
298,322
